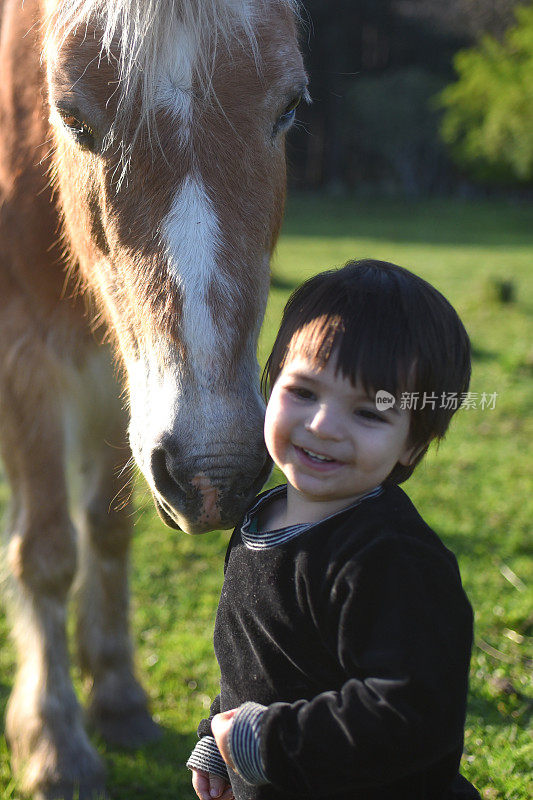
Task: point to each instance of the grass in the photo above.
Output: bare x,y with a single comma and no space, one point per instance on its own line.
476,492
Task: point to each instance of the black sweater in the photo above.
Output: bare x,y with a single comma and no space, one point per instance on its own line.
356,634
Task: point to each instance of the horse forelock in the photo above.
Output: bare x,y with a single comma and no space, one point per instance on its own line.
137,34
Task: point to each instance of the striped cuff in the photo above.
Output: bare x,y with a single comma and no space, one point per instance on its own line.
244,743
206,757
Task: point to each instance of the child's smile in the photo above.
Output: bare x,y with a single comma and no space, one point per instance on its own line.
328,438
316,460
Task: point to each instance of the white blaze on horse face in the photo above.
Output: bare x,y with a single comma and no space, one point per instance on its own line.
175,86
192,236
154,402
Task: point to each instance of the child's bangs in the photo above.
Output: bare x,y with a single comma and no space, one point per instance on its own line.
315,340
372,353
365,350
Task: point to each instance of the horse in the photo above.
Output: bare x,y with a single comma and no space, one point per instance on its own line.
142,187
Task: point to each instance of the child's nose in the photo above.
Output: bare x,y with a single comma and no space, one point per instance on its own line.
325,423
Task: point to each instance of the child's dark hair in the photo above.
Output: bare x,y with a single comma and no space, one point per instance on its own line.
390,330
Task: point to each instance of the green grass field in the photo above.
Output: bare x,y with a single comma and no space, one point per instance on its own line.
476,492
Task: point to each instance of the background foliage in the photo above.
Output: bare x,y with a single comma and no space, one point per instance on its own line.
489,110
375,68
392,130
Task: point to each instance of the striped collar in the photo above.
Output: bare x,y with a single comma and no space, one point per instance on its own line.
262,540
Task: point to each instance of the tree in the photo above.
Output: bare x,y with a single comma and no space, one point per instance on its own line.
347,40
470,17
339,39
394,127
488,120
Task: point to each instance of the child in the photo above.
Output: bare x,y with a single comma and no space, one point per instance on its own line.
343,633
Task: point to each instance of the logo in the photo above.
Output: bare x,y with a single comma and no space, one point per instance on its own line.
384,400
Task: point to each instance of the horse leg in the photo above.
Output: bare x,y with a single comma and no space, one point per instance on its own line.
118,704
50,750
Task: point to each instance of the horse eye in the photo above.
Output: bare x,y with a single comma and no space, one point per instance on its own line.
285,119
82,132
293,105
288,114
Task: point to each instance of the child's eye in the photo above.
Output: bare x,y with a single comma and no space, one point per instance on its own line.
368,414
301,392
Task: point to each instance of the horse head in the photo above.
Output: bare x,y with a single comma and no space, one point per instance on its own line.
169,162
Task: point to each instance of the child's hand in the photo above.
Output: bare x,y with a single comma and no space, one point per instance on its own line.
210,787
221,727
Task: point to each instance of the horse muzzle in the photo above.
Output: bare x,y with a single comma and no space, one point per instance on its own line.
198,499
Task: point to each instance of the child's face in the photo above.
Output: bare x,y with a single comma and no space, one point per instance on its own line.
327,436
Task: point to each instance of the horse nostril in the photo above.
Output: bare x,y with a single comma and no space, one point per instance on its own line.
195,494
246,489
165,481
241,494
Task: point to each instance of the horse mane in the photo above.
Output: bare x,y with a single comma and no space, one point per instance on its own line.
138,31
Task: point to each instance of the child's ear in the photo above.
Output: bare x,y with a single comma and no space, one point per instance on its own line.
410,454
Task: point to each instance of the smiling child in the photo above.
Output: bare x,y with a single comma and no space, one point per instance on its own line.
343,634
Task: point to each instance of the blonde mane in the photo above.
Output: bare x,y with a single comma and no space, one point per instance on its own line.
138,31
